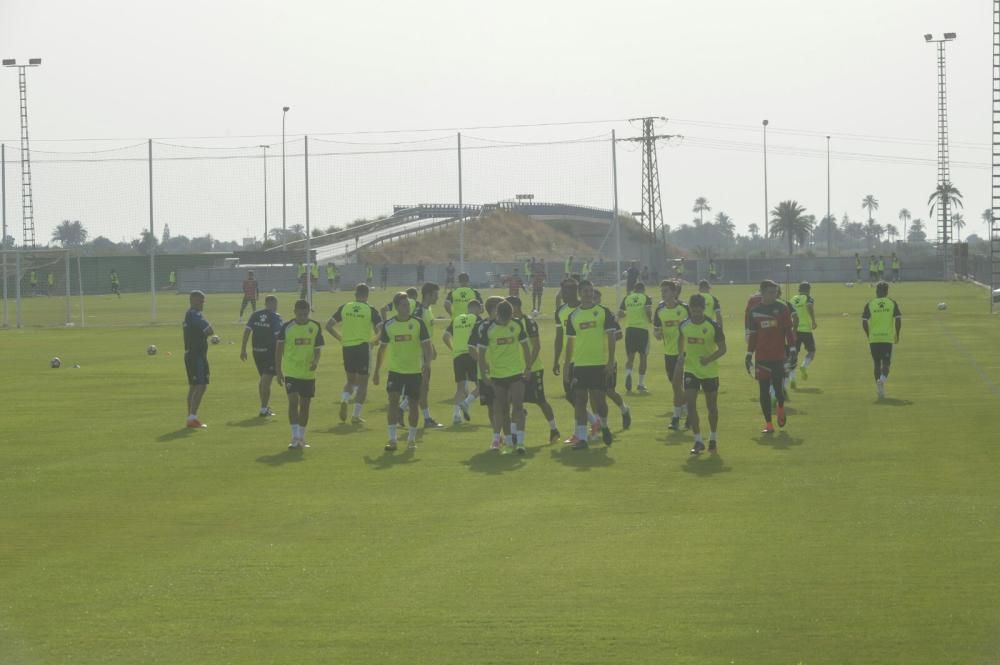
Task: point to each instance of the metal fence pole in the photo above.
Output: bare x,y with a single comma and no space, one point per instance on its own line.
461,211
309,266
17,287
617,220
152,243
4,252
79,283
69,291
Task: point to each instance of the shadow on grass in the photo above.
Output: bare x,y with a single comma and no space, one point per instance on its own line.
347,428
892,401
585,459
810,391
494,462
256,421
284,457
779,440
705,465
181,433
391,458
675,437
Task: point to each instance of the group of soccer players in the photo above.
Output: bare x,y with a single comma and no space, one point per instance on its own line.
496,356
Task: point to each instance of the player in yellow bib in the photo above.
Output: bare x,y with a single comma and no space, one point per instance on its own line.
429,294
296,356
701,343
457,301
713,309
534,390
882,321
359,324
805,313
636,310
505,363
456,338
406,340
670,313
590,349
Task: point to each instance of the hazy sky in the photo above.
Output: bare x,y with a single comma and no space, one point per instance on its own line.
184,71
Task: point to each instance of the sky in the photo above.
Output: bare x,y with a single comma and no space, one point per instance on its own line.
535,87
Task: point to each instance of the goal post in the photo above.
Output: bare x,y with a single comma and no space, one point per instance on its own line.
37,287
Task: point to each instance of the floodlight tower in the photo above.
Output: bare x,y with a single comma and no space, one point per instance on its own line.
652,208
944,164
995,184
27,205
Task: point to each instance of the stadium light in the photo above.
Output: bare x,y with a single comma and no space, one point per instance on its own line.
9,62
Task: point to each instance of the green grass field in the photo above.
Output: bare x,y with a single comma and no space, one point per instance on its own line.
864,532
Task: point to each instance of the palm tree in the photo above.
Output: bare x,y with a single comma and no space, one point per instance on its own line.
871,204
827,228
916,233
70,234
987,217
725,224
788,219
873,232
701,207
904,217
754,231
945,195
958,223
891,231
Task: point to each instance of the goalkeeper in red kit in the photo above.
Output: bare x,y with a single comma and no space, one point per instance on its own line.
770,338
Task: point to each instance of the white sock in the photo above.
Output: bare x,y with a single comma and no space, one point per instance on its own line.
628,372
805,363
591,418
677,412
457,411
520,438
883,378
581,432
192,416
392,432
684,410
496,436
506,439
469,399
697,438
357,409
552,424
624,407
642,379
412,436
791,376
344,396
302,432
295,431
513,429
427,412
711,436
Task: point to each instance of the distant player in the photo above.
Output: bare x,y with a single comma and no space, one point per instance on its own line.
713,309
857,267
384,277
464,364
116,285
700,345
50,283
590,349
534,389
332,277
771,335
370,276
196,333
805,313
631,276
486,392
872,270
300,343
408,343
457,301
636,310
568,266
172,280
515,284
679,269
537,285
504,363
896,265
881,268
33,282
881,320
263,326
667,319
249,294
420,271
359,324
713,276
429,294
449,276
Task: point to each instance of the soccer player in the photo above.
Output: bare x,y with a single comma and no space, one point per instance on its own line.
449,276
50,283
568,266
359,323
172,280
569,295
857,267
457,301
196,333
713,276
264,327
872,269
771,334
534,389
590,349
389,310
486,392
456,338
667,319
713,309
116,285
370,276
679,269
537,285
429,294
384,276
585,268
249,294
882,321
636,309
300,342
420,270
406,339
332,276
700,345
515,284
610,388
33,282
504,363
881,268
631,276
805,313
895,267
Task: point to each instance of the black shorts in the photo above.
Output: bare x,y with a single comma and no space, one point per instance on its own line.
636,341
670,363
302,387
252,301
534,388
264,361
357,358
589,378
692,382
508,381
407,385
537,290
486,394
770,370
881,351
196,365
807,340
465,368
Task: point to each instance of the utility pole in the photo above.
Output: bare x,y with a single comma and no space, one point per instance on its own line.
27,202
652,209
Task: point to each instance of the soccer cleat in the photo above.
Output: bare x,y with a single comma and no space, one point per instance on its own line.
495,445
626,419
606,436
196,424
390,446
357,420
595,430
642,389
293,444
430,423
675,424
698,448
713,446
456,421
411,445
465,411
520,449
768,429
303,444
554,436
803,373
628,383
579,445
266,412
571,441
781,416
343,411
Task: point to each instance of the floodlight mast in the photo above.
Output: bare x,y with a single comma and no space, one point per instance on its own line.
944,161
27,201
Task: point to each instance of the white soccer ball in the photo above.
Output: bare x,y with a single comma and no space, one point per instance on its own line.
151,349
942,305
215,339
55,363
730,281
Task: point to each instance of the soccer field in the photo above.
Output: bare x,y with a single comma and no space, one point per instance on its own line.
864,532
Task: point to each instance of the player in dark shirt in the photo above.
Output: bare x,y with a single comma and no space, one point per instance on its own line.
770,339
263,327
196,333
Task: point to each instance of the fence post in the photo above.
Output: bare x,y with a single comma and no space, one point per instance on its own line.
461,211
69,290
79,281
614,213
152,242
17,287
309,262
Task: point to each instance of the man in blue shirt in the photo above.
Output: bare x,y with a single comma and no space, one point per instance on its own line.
264,326
196,333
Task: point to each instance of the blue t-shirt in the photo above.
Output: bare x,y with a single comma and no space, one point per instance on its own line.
265,326
195,326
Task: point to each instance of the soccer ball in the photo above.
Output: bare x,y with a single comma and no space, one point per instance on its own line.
151,349
55,363
215,339
942,305
730,281
849,285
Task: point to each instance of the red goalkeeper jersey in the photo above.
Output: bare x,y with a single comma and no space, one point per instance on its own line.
770,328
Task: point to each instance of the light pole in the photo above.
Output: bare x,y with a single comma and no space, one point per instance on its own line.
27,201
829,222
265,147
767,224
284,220
944,166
